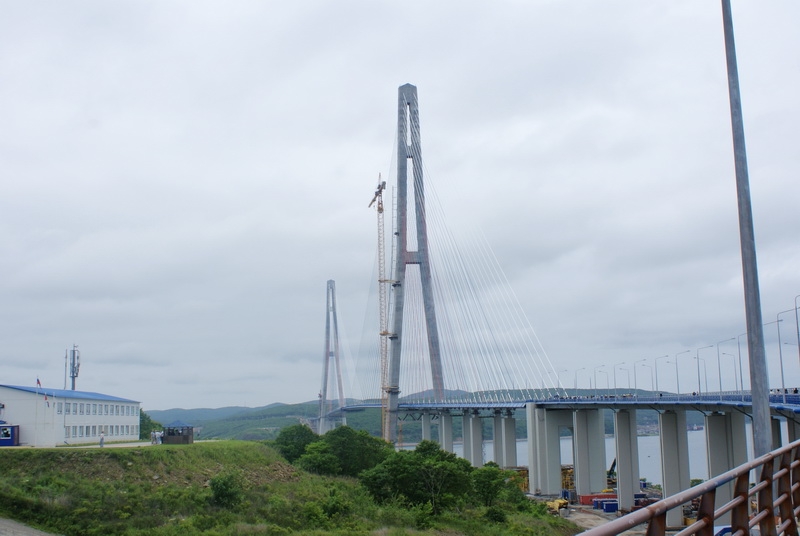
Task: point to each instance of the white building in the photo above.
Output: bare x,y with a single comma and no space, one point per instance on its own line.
50,417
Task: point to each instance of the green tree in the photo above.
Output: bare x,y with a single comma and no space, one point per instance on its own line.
147,425
427,475
488,481
356,450
319,459
293,440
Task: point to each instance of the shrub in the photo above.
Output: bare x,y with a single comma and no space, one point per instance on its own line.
227,490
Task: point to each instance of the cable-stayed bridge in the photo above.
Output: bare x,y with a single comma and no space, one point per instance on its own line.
452,341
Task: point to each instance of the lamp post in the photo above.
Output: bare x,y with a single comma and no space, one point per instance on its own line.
719,365
576,380
741,370
780,347
705,371
652,385
697,355
596,369
635,383
606,373
735,375
677,376
655,363
615,376
797,325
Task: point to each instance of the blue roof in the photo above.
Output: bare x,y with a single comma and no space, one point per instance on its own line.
67,393
178,424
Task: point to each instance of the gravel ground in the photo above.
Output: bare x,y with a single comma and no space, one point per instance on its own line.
12,528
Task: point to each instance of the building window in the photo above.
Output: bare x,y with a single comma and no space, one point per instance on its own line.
106,411
80,431
74,408
66,432
88,429
59,408
81,408
74,431
94,431
94,410
116,409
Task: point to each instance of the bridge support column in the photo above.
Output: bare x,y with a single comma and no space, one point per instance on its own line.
476,440
446,432
674,459
627,457
498,440
589,446
509,433
544,448
466,433
726,449
426,426
776,432
793,428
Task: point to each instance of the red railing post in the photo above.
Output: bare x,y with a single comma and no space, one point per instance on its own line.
706,512
740,515
766,504
786,506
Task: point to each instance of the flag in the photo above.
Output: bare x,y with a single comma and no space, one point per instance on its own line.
46,401
38,383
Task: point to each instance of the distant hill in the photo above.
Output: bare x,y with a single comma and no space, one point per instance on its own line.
199,416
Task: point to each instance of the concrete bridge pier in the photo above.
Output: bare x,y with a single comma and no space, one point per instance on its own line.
674,459
627,457
505,438
446,431
776,432
544,448
589,447
793,428
508,430
426,425
725,449
472,429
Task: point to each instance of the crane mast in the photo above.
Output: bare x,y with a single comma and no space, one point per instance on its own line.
377,200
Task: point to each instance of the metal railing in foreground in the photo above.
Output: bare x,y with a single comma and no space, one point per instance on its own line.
773,515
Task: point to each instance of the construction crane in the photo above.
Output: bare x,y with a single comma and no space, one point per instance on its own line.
377,200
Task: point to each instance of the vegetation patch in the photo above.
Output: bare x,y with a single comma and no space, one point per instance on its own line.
239,487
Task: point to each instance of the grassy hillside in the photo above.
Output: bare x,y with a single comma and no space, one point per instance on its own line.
214,488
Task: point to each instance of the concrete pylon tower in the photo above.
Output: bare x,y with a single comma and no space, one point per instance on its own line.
409,149
330,359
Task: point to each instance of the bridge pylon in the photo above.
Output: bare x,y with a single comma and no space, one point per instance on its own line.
330,360
409,149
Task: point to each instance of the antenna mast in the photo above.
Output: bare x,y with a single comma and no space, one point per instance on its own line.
74,364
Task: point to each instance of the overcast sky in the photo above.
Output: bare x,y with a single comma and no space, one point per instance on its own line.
178,180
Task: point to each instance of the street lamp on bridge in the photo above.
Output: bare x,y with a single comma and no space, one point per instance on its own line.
697,356
651,377
576,379
677,376
705,372
595,371
736,379
635,389
615,376
655,363
719,365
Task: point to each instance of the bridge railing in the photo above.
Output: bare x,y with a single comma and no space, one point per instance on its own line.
776,496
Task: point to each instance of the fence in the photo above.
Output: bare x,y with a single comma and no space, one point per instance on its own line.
776,495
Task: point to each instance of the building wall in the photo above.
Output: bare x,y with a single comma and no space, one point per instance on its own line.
78,420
